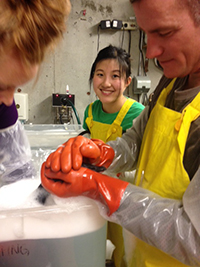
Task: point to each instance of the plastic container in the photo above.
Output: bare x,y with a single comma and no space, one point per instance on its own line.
66,234
51,135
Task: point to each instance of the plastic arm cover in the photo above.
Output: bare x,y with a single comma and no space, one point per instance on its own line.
170,225
128,146
15,155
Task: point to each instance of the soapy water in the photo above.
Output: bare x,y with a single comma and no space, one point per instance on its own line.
24,191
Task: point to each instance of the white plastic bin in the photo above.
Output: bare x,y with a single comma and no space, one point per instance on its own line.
70,233
67,236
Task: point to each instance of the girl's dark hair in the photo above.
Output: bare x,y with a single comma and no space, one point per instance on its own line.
113,52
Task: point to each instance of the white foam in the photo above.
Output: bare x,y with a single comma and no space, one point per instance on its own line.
22,217
15,195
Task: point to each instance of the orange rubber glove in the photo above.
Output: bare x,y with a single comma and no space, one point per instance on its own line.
77,150
85,182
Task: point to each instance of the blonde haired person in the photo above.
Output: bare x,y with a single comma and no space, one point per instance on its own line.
28,30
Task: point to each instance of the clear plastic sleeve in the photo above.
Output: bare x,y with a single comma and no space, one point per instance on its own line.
170,225
15,155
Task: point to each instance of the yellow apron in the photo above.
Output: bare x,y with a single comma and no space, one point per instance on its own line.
108,132
160,166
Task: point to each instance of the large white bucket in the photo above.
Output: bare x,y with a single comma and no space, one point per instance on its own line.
70,233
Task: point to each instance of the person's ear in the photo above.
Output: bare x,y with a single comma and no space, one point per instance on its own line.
128,81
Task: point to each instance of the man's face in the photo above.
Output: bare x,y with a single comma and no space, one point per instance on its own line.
13,73
172,36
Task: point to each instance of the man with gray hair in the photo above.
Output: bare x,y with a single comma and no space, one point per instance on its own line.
162,209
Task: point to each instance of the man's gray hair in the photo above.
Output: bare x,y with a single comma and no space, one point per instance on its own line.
192,5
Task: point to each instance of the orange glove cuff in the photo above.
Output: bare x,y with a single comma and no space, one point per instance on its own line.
107,190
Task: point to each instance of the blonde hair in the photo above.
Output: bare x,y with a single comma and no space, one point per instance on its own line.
32,26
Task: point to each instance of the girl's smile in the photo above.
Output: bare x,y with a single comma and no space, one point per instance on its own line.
109,84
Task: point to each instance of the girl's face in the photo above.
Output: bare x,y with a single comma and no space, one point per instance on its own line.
108,81
13,73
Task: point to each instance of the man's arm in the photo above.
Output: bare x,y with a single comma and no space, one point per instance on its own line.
170,225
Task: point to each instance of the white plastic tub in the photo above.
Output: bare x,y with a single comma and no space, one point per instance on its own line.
53,237
70,233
